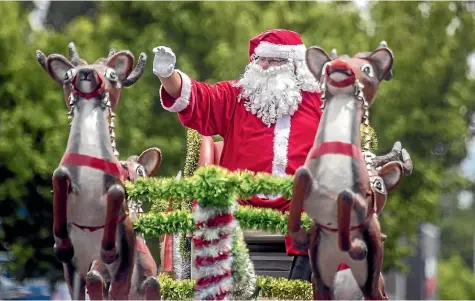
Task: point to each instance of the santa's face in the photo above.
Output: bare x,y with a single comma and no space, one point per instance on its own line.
271,87
267,62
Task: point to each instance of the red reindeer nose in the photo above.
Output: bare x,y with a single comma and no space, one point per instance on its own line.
339,65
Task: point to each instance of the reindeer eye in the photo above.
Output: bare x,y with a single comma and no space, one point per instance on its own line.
379,186
69,75
140,171
368,69
110,74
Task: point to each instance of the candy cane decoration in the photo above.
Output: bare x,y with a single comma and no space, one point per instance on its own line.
212,260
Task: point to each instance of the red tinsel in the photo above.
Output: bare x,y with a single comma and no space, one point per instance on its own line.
216,221
209,260
205,281
200,243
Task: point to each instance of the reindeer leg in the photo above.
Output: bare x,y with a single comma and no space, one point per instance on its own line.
63,248
347,202
94,282
320,290
145,284
76,290
374,286
121,270
301,188
151,288
115,199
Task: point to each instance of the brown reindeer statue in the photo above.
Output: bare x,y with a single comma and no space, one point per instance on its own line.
145,285
91,217
341,186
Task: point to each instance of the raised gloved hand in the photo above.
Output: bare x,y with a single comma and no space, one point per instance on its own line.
164,61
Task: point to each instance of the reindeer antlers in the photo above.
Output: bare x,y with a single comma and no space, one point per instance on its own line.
41,57
73,55
334,54
389,75
137,72
383,44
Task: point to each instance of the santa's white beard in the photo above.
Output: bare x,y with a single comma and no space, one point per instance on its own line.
272,93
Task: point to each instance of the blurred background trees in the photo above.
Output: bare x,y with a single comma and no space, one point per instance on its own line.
428,105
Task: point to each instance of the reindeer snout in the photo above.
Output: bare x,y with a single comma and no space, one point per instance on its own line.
86,74
339,65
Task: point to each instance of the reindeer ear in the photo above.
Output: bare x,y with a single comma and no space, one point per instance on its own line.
122,62
58,67
150,159
392,174
315,58
382,59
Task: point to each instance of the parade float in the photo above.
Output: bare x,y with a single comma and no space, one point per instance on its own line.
171,201
206,237
196,213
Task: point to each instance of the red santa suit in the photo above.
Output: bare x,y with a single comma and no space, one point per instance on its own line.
279,149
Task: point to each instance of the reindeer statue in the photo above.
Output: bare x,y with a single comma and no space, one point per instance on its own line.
90,213
342,187
145,284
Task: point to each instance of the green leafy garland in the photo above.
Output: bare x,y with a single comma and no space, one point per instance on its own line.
267,287
250,218
211,186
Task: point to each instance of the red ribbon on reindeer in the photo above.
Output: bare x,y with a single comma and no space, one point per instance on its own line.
112,168
339,148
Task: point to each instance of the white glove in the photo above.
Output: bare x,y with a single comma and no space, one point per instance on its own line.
164,61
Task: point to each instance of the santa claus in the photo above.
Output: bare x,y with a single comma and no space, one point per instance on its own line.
268,117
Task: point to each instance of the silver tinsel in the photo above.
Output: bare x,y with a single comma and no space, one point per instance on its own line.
181,265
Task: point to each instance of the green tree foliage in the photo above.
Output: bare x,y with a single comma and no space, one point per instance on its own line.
427,106
31,136
455,280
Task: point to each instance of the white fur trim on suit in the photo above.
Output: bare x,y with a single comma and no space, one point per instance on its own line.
281,145
266,49
181,102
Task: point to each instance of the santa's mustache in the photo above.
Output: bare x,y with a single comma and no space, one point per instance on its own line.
270,93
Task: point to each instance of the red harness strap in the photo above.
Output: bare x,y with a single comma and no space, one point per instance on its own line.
337,147
111,168
92,229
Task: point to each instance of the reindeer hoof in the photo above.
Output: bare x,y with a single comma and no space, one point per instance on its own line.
151,288
300,240
94,285
359,251
109,256
63,250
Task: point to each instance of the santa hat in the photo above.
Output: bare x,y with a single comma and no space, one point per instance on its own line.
277,43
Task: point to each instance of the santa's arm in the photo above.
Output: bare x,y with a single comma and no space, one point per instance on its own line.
201,106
